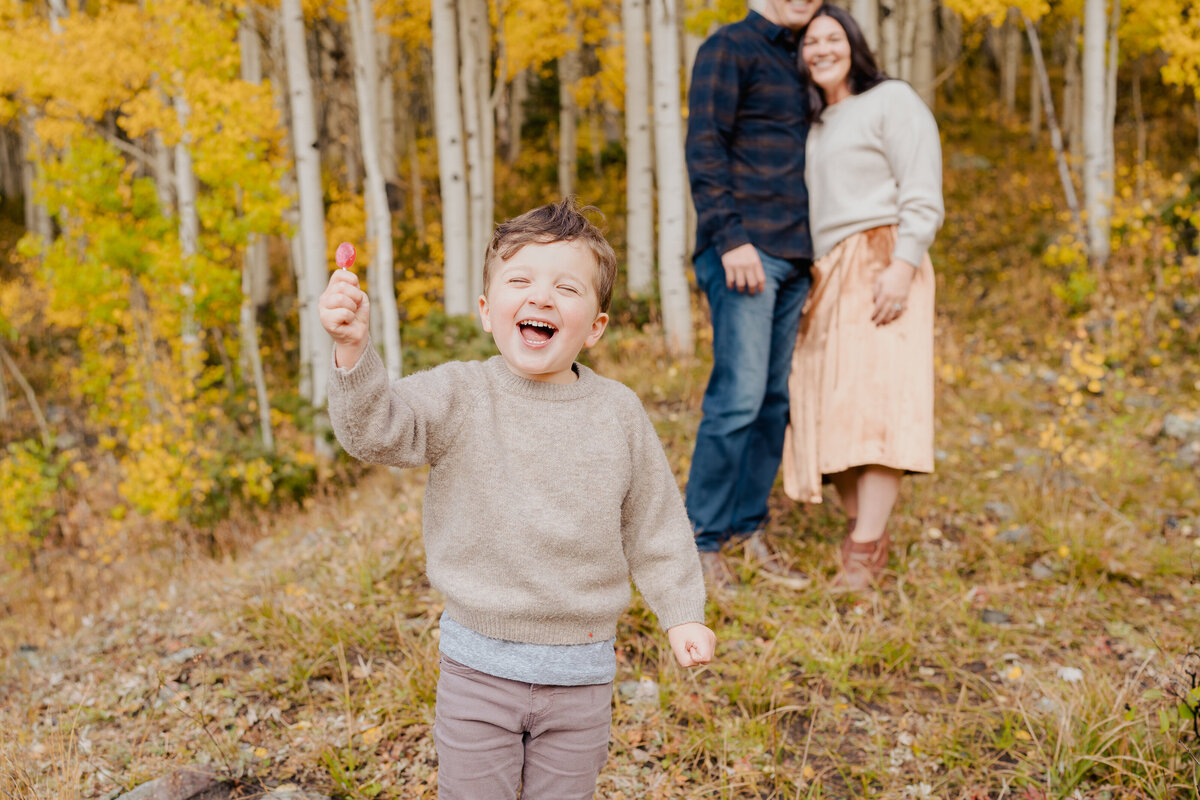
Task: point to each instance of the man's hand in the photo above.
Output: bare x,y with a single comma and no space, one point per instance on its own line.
890,291
744,269
345,313
692,643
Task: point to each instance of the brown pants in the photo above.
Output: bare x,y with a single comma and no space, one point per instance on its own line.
494,736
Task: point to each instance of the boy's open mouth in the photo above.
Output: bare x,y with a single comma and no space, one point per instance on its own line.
536,332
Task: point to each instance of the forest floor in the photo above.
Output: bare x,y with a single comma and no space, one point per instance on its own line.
1036,636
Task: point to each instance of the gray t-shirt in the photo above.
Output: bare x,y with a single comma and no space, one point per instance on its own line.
547,664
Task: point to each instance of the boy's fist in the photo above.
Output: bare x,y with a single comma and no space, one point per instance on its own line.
692,643
345,313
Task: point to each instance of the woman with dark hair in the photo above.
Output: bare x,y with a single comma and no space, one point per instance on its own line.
862,372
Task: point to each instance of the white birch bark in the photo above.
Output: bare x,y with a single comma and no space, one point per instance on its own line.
388,153
311,267
379,217
479,129
924,34
1010,66
254,259
1035,109
1056,138
569,72
889,43
908,37
518,93
866,14
10,169
1110,92
1072,104
670,172
639,163
1096,198
452,166
189,235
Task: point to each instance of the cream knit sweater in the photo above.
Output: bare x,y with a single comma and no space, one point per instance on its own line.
542,499
875,159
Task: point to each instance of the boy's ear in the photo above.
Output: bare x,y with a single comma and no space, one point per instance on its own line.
598,326
483,314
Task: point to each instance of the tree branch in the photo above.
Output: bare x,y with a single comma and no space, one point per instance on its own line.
7,361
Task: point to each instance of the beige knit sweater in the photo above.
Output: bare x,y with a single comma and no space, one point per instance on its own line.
542,499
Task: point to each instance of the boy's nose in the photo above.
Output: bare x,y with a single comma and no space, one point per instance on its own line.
539,296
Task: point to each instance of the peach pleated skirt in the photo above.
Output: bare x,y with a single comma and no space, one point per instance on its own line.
860,394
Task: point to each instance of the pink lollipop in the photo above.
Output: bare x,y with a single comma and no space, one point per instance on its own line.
345,255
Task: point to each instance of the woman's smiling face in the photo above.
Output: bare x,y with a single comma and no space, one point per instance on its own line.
826,53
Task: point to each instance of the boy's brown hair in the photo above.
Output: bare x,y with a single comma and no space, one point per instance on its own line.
563,221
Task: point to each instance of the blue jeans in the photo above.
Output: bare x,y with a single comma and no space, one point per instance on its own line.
740,440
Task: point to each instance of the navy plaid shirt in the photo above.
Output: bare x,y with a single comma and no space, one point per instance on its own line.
745,141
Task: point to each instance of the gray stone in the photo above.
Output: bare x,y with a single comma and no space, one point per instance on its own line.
999,509
1020,533
292,793
1042,571
186,654
1181,426
640,692
183,784
993,617
977,440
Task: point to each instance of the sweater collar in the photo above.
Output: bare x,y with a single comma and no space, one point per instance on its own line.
542,390
774,33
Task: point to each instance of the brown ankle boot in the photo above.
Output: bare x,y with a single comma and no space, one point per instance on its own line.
862,563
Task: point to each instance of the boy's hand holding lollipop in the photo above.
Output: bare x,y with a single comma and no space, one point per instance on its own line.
345,310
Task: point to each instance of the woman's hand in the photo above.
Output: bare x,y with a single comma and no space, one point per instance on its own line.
891,291
692,643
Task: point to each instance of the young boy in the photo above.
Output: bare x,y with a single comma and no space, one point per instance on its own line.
547,489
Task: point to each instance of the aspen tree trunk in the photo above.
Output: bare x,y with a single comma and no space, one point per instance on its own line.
311,243
908,37
1110,86
5,414
164,174
379,217
1072,97
670,172
10,170
517,95
388,162
1011,66
889,43
639,164
1096,199
189,240
866,14
923,72
950,44
254,260
409,131
1139,120
1035,110
452,166
480,129
569,73
1056,138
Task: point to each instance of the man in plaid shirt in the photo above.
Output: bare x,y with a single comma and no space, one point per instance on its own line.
745,157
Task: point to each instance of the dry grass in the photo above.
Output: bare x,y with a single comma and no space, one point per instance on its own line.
309,654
